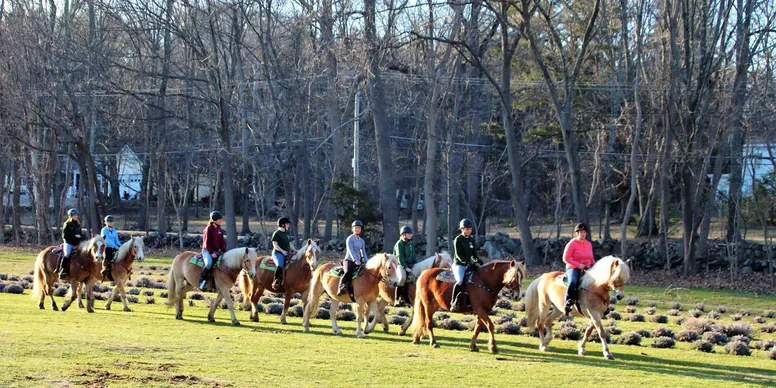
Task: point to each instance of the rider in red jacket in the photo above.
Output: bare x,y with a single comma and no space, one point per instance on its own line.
213,245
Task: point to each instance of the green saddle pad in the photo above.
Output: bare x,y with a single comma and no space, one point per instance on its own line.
268,264
200,262
338,271
561,281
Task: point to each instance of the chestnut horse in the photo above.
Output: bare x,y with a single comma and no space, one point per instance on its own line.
184,276
121,269
545,300
483,290
84,264
297,279
439,260
383,267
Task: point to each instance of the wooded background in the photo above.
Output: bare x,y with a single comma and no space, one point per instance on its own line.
605,112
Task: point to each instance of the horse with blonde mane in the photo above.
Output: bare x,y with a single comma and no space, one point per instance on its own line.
85,260
298,273
184,276
121,269
381,268
483,288
545,300
439,260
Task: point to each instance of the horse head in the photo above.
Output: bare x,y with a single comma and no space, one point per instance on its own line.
513,278
137,248
311,253
96,247
443,260
248,261
619,274
393,273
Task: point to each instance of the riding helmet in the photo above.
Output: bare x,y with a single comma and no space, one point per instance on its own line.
108,218
406,229
579,227
283,221
466,223
357,223
216,215
72,211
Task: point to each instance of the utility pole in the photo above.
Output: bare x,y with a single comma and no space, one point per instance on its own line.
356,128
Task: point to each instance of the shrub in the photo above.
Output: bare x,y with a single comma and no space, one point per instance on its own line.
700,306
260,308
397,319
687,336
769,328
98,296
630,309
758,319
196,296
632,338
342,306
14,278
675,306
192,303
658,319
296,311
324,305
441,316
523,322
673,312
703,346
663,342
644,333
148,293
451,324
60,291
402,313
346,315
633,300
568,333
650,310
745,313
594,337
722,309
508,328
695,313
766,344
772,354
736,317
503,319
14,289
132,299
715,337
152,267
614,315
612,300
614,330
738,348
696,325
323,314
292,302
277,308
117,298
163,294
735,329
635,318
150,300
519,306
2,286
3,276
663,332
503,304
268,300
741,338
714,315
769,314
144,282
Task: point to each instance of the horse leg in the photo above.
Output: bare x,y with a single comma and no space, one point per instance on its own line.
596,317
583,341
473,344
90,295
381,313
430,324
333,316
72,295
180,292
549,321
492,335
406,325
359,319
123,292
286,304
113,293
230,304
49,280
372,307
254,302
80,295
213,306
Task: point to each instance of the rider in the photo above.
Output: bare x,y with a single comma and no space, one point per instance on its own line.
406,254
578,256
71,234
112,244
465,257
281,249
355,254
213,245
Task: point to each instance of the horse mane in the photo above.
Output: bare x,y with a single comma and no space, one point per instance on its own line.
124,248
601,271
428,263
86,245
233,257
304,248
377,260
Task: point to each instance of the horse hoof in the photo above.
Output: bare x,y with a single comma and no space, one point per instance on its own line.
416,341
127,309
306,329
360,336
254,319
107,307
474,349
40,306
89,310
544,348
211,319
581,352
235,323
494,349
609,356
178,317
337,332
385,330
283,322
435,345
54,308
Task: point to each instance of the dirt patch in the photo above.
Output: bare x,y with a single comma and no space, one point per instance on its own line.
101,378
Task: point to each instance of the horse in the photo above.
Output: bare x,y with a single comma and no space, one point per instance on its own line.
121,269
297,279
439,260
483,289
184,276
544,300
383,267
84,261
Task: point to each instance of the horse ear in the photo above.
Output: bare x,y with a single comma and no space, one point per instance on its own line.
628,261
512,263
309,241
247,250
317,241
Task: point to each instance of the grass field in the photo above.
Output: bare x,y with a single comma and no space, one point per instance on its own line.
149,347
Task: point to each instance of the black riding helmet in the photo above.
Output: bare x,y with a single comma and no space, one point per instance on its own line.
283,221
108,218
466,223
216,215
357,223
406,229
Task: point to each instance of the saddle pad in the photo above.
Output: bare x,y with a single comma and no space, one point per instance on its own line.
561,281
268,264
338,271
446,276
58,250
199,262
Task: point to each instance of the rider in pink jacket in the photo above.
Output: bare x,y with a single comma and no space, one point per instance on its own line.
578,256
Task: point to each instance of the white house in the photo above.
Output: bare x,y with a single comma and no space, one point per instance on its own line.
757,161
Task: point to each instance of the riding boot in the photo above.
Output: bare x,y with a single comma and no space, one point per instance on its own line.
455,303
278,280
65,271
398,298
347,277
203,278
106,269
571,300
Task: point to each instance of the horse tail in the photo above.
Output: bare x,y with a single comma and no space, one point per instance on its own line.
532,304
418,314
172,291
39,285
314,295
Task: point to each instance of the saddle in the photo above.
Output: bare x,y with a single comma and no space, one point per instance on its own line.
338,271
268,264
58,250
200,262
447,276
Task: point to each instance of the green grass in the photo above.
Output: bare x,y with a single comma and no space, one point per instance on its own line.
149,347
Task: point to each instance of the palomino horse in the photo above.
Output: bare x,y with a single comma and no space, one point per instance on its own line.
84,261
439,260
184,276
383,267
483,289
544,300
121,269
297,279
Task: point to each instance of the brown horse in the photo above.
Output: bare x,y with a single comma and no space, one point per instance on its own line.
297,279
439,260
483,291
185,275
84,261
382,267
122,268
545,300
